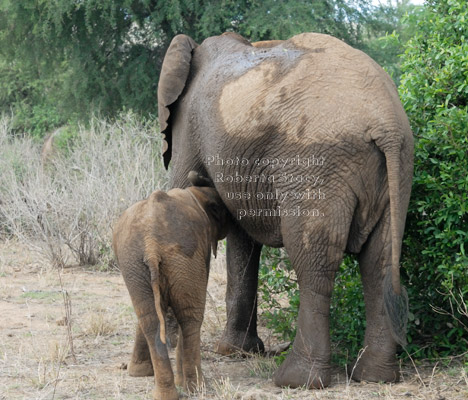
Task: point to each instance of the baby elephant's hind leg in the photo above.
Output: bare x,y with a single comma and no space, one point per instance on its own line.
188,310
139,286
140,363
179,378
189,343
164,378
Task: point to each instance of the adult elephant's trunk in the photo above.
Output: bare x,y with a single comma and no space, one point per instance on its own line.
395,295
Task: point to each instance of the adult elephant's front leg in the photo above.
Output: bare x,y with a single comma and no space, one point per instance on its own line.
240,333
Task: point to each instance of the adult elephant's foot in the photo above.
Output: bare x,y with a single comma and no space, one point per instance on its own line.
372,368
137,369
298,371
238,341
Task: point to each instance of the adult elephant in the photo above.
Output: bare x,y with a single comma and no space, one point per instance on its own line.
309,147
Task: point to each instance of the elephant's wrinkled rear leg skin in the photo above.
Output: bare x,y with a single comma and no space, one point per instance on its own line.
191,361
140,363
308,364
164,378
378,360
240,333
316,262
139,287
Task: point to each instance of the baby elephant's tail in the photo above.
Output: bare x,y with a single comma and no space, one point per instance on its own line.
157,303
153,261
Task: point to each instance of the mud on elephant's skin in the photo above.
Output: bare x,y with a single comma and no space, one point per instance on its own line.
162,246
309,97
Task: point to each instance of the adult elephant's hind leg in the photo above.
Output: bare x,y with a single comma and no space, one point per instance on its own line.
378,361
316,257
240,333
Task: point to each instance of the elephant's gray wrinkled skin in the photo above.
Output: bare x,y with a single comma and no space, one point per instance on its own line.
313,98
162,246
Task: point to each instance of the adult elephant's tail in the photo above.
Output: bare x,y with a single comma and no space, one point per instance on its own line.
395,295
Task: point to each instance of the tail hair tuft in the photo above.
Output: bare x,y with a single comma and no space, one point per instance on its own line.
396,308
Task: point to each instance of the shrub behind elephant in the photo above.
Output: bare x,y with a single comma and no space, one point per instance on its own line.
162,245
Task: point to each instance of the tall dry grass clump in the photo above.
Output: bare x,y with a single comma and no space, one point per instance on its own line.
65,207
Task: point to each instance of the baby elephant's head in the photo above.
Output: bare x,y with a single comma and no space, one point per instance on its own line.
209,199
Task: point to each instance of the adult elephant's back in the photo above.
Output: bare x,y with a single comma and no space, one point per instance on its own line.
312,95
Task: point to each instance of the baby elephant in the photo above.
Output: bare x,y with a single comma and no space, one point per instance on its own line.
162,246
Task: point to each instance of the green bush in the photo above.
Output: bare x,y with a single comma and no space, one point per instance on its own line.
278,293
30,99
434,91
398,23
348,314
36,120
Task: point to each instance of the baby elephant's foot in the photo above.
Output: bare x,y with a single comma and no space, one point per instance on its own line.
137,369
296,371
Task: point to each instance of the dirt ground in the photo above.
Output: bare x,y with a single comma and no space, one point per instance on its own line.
37,362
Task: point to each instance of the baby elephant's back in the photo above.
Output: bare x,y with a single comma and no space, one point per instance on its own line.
172,220
181,223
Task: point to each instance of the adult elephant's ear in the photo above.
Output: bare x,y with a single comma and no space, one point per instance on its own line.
174,73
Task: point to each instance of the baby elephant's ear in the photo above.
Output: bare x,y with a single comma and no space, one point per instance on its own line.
196,179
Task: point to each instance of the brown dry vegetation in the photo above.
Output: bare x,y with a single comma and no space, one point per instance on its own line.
36,361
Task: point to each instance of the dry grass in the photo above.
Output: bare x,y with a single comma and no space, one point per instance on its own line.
260,366
100,322
224,389
65,209
35,359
